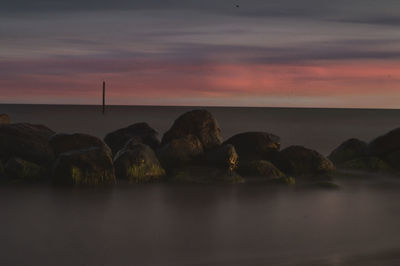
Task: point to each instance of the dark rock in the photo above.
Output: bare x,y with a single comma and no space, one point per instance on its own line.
348,150
138,164
325,185
18,169
141,132
202,174
4,119
373,164
386,144
61,143
393,159
307,162
224,156
26,141
199,123
92,166
254,145
180,151
260,168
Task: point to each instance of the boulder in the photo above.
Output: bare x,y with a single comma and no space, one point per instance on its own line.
138,164
26,141
202,174
371,164
61,143
261,169
87,167
254,145
19,169
4,119
180,151
348,150
393,159
307,162
386,144
224,156
142,132
199,123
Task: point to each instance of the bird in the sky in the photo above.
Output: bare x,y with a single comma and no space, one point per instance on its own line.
237,6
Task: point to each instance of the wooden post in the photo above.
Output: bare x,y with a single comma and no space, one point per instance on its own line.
104,96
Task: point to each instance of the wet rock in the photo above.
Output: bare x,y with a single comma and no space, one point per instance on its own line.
254,145
202,174
138,164
393,159
386,144
180,151
141,132
261,169
349,150
26,141
19,169
88,167
4,119
224,156
373,164
61,143
199,123
307,162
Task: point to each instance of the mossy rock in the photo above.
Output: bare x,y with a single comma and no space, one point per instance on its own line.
306,162
224,156
19,169
141,132
88,167
261,169
138,164
205,175
180,152
199,123
4,119
374,164
349,150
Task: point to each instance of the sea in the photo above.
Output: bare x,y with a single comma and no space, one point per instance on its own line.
206,225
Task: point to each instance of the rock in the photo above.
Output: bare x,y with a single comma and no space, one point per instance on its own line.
326,185
26,141
348,150
142,132
224,156
138,164
199,123
393,159
18,169
4,119
261,169
373,164
386,144
61,143
180,151
202,174
307,162
92,166
254,145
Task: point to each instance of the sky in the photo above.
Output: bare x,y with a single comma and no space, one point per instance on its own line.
287,53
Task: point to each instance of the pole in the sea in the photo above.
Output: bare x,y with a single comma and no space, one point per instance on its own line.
104,96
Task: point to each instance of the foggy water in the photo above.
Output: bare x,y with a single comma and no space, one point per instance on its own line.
162,224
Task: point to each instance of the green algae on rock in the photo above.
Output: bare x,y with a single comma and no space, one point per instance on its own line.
87,167
138,164
22,170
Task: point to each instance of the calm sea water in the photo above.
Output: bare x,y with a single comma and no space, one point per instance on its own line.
161,224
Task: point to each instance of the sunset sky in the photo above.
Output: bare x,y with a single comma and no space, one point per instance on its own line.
311,53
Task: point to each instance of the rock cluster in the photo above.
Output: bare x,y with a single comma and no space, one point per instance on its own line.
382,154
191,151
